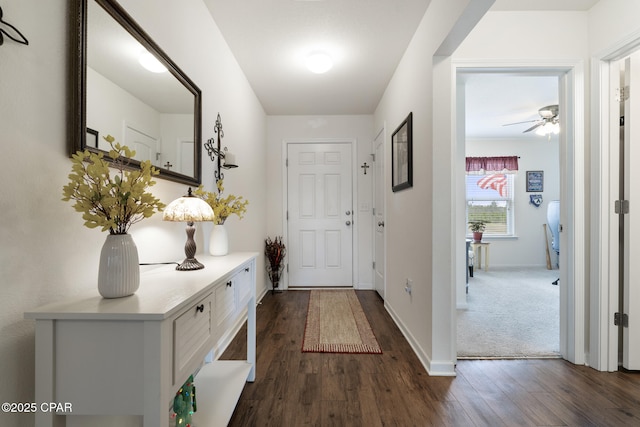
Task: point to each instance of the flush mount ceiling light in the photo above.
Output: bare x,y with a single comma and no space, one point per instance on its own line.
151,63
319,62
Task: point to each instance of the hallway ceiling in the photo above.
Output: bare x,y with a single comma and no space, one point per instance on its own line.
366,38
270,40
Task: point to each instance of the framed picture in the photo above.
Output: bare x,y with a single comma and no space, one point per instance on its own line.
402,155
92,138
535,181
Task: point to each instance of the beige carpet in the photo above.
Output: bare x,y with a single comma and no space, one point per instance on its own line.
513,313
337,324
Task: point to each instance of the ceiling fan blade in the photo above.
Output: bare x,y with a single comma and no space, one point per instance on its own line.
519,123
537,125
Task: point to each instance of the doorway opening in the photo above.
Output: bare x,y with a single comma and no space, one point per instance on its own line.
512,181
570,171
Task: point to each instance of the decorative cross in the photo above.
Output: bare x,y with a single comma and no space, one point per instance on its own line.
365,167
168,165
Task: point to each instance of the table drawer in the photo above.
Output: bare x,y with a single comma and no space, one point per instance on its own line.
191,337
225,305
242,283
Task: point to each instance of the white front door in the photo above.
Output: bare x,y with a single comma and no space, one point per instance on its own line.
320,214
630,154
378,220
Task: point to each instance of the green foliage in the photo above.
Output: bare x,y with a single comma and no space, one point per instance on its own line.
116,203
223,207
488,213
477,226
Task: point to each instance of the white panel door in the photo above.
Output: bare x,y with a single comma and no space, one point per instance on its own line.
378,184
631,180
186,158
320,224
145,146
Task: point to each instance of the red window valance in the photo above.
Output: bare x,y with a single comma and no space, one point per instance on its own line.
482,165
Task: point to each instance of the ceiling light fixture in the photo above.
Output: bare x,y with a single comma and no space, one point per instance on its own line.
319,62
548,128
151,63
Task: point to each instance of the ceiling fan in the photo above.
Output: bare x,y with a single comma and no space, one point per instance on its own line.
548,115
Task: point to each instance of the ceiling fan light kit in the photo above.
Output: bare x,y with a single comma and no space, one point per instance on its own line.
547,124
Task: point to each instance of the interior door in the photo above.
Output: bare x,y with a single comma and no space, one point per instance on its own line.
630,220
146,146
378,201
186,156
320,214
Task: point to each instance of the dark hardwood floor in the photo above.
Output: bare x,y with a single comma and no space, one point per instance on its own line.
393,389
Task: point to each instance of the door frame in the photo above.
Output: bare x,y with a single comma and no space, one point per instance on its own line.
572,173
605,172
376,204
354,193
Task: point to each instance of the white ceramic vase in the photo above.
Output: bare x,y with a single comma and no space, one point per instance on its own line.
219,240
119,271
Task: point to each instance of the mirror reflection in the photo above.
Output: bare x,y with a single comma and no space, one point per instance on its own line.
154,111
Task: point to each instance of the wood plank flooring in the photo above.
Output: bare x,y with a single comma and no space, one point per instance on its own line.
393,389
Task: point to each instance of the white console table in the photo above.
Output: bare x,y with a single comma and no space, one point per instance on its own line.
129,356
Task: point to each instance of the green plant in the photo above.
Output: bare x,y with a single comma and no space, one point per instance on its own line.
477,226
112,203
223,207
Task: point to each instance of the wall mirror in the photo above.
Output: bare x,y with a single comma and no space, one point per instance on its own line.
158,114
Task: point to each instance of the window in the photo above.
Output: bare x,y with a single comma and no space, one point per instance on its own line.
490,199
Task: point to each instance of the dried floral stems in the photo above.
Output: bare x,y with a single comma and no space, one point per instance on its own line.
275,252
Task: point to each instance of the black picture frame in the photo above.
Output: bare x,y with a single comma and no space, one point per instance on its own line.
535,181
402,155
92,138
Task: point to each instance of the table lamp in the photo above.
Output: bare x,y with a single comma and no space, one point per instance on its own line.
189,209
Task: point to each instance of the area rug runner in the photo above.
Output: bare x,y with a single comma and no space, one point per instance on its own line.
337,324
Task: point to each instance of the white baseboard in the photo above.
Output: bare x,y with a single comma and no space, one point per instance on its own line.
444,368
364,286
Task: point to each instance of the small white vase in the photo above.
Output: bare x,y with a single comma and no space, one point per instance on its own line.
219,240
119,271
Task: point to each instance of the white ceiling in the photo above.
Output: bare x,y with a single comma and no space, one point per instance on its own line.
543,4
493,100
367,38
270,40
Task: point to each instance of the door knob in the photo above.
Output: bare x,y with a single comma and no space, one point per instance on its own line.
348,212
348,223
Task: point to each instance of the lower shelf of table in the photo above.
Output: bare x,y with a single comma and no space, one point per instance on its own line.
218,388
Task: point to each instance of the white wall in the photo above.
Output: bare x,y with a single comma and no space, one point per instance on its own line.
515,39
613,23
418,221
109,107
301,128
536,153
47,255
175,128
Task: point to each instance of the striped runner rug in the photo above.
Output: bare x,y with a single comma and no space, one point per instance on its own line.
337,324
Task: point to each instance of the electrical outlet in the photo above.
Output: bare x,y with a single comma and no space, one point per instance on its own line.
408,286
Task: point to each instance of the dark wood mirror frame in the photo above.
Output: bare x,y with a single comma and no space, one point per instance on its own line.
78,80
